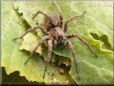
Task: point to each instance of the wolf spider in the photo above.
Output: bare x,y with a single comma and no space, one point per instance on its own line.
54,30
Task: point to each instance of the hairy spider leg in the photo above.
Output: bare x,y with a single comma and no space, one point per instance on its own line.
50,48
83,41
69,44
60,12
69,20
58,7
37,46
40,12
30,30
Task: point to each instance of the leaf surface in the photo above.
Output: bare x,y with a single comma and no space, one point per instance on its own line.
95,27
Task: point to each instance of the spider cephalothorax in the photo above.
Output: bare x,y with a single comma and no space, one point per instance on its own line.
54,31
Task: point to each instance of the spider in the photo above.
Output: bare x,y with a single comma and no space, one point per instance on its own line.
54,31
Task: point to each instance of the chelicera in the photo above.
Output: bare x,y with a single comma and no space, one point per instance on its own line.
54,32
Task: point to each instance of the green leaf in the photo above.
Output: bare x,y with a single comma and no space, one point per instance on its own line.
92,24
30,39
98,20
13,58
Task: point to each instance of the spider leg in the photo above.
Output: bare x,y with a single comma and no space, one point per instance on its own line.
60,12
40,12
70,46
58,7
83,41
69,20
50,48
31,29
36,47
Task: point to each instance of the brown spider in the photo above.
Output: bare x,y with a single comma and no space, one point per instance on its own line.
54,30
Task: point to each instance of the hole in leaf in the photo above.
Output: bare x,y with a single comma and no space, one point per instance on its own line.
95,36
63,69
104,39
